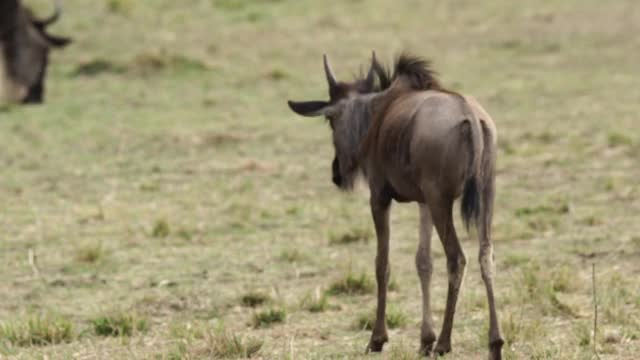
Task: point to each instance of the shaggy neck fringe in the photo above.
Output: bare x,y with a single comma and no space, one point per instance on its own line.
416,71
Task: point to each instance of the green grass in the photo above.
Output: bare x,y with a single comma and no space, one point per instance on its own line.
161,229
352,284
292,256
165,175
120,6
118,324
617,139
396,318
265,318
254,299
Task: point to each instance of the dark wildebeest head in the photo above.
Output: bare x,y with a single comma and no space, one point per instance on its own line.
24,51
346,116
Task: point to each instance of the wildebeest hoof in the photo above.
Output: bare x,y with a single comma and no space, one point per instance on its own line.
426,346
442,348
425,350
376,343
495,349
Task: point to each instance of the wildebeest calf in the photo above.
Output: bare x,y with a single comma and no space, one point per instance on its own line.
415,141
24,52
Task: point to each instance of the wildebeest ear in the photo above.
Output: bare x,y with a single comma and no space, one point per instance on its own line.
56,41
310,108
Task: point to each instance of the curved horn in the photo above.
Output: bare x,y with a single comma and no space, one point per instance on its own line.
54,17
371,75
383,74
331,79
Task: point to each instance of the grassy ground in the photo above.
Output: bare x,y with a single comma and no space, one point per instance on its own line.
166,204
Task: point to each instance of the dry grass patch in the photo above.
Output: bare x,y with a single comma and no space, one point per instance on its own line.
316,302
90,253
291,256
350,237
217,344
402,351
541,288
41,330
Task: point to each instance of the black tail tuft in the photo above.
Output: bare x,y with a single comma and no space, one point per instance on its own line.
471,202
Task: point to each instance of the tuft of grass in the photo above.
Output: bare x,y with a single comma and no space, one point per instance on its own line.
291,256
404,352
278,74
120,324
393,285
185,234
583,332
37,331
231,4
517,328
616,139
350,237
316,302
187,331
161,229
542,210
90,253
269,317
352,285
254,299
152,62
396,318
223,344
97,67
122,7
515,260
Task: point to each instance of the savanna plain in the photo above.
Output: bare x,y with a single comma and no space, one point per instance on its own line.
166,204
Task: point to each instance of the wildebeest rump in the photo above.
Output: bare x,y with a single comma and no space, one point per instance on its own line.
24,51
415,141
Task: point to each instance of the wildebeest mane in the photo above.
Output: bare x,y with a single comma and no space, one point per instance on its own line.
415,70
410,73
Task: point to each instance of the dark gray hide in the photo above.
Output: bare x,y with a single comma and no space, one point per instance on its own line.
24,52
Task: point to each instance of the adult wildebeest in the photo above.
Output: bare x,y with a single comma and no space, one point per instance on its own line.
415,141
24,51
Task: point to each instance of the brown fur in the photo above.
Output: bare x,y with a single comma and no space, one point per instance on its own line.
410,74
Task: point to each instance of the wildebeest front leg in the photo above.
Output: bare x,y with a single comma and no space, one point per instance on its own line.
424,266
380,213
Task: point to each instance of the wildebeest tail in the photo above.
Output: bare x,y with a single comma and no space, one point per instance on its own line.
471,206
